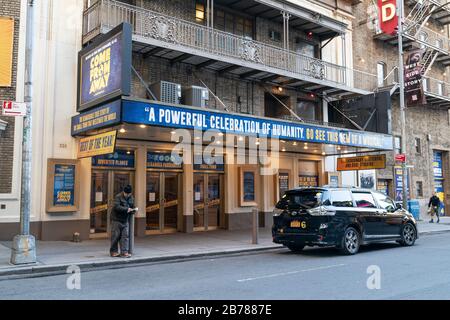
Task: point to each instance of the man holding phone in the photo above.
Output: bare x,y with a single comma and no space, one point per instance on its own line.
120,222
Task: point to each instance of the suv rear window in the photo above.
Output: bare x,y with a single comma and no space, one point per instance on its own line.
306,199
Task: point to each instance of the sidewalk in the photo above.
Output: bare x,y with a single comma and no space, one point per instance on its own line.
55,257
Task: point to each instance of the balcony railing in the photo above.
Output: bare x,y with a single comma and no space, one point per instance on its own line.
437,88
427,36
153,27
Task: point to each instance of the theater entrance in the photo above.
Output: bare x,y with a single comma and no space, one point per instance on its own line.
106,184
208,201
110,175
163,204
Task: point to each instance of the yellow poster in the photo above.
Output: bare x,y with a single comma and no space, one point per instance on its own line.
6,51
97,145
362,163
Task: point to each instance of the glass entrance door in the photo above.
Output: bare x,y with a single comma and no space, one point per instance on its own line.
105,185
207,201
162,201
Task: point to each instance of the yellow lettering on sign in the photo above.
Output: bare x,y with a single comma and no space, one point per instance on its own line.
100,71
97,145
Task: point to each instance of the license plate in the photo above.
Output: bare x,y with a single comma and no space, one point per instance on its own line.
298,224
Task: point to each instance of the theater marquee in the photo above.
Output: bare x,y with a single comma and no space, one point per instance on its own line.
104,68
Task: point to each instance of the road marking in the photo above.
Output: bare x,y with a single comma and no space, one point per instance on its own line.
291,272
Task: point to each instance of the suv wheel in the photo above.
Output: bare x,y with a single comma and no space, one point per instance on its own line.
350,241
296,247
409,235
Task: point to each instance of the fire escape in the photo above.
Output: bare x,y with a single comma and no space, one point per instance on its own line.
436,44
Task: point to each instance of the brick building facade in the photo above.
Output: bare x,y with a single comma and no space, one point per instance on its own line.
427,126
10,9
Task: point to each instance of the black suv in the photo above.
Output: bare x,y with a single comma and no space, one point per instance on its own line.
342,217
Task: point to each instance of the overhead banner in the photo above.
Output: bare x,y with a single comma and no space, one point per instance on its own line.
104,68
100,144
413,78
362,163
6,50
140,112
388,16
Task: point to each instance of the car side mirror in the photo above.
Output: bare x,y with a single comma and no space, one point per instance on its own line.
398,206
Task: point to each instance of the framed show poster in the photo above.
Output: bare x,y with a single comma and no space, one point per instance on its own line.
63,185
247,187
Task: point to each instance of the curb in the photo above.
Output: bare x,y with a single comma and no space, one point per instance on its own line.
37,270
59,269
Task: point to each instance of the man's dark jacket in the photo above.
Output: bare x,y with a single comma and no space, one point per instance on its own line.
435,201
120,210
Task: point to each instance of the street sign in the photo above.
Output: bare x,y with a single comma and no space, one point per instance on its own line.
400,158
14,109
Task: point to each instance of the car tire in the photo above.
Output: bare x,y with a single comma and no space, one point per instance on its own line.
351,241
409,235
296,247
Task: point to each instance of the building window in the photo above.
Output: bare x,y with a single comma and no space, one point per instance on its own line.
441,88
305,48
200,12
419,189
274,35
425,84
423,37
233,23
381,73
417,145
398,145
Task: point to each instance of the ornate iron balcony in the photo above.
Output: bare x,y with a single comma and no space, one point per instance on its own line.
157,29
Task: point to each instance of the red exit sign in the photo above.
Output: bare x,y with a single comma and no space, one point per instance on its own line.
388,16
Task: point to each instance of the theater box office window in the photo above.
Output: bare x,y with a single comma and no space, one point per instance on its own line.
63,185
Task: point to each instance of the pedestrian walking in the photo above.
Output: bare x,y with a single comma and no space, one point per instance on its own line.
433,207
120,223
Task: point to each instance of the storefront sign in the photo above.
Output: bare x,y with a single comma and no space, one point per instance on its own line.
163,161
120,159
98,118
205,163
309,181
362,163
413,78
100,144
14,109
388,16
138,112
63,185
398,181
6,50
105,68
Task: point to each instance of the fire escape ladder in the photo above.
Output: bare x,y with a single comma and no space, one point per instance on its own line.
428,59
418,17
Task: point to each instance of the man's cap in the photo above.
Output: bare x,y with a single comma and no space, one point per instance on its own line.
128,189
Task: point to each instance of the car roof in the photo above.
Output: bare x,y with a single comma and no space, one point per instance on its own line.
328,188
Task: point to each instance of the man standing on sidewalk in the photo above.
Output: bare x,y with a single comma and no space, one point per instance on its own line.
120,226
434,205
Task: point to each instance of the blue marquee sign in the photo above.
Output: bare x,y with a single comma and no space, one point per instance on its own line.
140,112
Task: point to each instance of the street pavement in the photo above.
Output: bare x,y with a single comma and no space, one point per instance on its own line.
419,272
